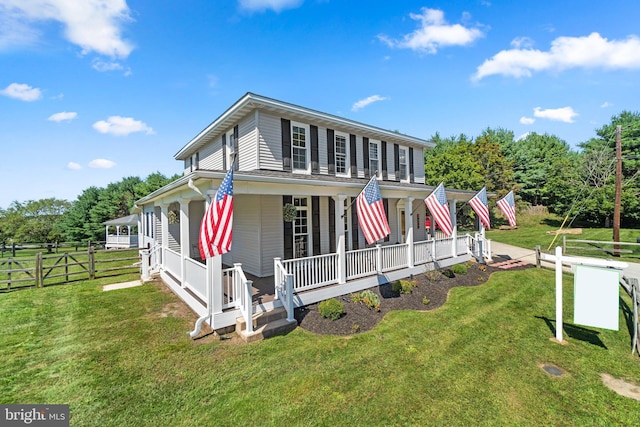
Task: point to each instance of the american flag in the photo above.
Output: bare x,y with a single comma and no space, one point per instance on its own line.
216,226
508,207
439,208
480,206
371,216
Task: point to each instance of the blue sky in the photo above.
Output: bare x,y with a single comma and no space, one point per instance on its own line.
91,92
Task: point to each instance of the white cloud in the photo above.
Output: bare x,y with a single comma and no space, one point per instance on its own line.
592,51
523,136
22,92
95,25
527,120
433,33
117,125
606,104
522,43
367,101
101,164
73,166
63,116
262,5
565,114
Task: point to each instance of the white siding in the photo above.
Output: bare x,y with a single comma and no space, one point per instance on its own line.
359,157
393,222
419,232
207,155
245,248
322,151
248,152
196,212
391,170
324,226
270,140
272,232
418,165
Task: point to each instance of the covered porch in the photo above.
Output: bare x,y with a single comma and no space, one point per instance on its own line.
121,233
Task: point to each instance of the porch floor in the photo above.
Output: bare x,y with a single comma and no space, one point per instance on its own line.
263,288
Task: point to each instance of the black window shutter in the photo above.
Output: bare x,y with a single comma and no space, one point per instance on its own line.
331,153
236,150
384,160
288,231
315,224
352,154
385,203
411,173
197,160
315,158
224,151
396,161
354,226
286,144
332,225
365,154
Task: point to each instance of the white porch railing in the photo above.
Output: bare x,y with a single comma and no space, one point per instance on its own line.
242,294
393,257
284,287
195,278
362,263
121,241
312,272
480,246
232,282
463,245
443,248
422,252
172,263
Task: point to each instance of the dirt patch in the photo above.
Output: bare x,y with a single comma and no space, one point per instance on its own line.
621,387
432,292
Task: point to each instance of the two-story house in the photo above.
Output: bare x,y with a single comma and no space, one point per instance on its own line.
289,156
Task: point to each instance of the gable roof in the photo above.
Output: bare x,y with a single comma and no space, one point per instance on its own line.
251,101
125,220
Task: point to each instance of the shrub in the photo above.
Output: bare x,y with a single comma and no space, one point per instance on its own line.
448,273
425,300
432,275
459,269
331,309
403,286
370,299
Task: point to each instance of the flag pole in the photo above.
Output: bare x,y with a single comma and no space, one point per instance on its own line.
375,176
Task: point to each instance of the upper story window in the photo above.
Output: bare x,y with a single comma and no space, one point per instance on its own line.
229,148
403,156
342,154
374,157
300,147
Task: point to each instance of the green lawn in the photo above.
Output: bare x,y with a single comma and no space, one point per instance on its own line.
532,230
123,358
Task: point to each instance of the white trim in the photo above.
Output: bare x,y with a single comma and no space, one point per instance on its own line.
347,154
377,170
307,148
406,177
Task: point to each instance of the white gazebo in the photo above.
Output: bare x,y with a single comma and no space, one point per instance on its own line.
123,237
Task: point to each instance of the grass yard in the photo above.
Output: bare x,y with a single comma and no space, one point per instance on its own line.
532,230
123,358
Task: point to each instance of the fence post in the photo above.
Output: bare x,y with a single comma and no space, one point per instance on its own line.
564,245
92,263
13,249
538,264
38,272
378,259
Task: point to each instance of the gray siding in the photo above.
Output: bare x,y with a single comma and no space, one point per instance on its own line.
245,248
271,232
324,226
196,212
418,165
391,174
322,150
359,157
270,142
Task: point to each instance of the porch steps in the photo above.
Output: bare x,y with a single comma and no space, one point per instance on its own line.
266,324
512,263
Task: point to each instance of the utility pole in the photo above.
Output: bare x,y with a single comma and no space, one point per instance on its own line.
618,201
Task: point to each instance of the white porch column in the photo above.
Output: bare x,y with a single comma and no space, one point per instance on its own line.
164,227
408,223
185,244
454,224
140,232
340,244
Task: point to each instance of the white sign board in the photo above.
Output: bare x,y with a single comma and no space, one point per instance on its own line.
596,297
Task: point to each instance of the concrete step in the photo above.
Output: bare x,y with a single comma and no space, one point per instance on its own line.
273,328
262,318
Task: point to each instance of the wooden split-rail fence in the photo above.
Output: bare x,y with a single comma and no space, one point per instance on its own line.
54,269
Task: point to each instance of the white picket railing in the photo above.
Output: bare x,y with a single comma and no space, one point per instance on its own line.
463,245
362,263
394,257
195,278
312,272
444,248
242,294
284,287
231,286
422,252
172,263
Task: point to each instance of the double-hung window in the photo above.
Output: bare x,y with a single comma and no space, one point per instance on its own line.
403,155
300,147
342,154
230,147
374,158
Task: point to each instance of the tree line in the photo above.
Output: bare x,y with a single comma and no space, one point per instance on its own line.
54,220
541,169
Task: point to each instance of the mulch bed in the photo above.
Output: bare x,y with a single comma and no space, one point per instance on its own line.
357,317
